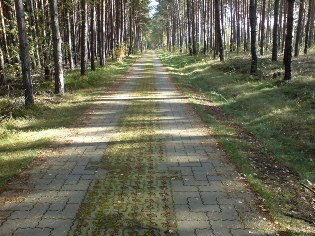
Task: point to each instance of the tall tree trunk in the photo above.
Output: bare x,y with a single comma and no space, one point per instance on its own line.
59,78
238,26
69,41
299,28
253,24
262,32
307,26
287,59
92,30
24,53
189,28
275,32
285,13
103,36
218,30
311,32
84,53
193,28
2,79
4,32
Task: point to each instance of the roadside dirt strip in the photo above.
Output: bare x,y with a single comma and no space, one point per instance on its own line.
142,164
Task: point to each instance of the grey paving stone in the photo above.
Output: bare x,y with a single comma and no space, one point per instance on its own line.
36,212
22,206
221,228
189,228
69,212
204,232
210,198
182,197
182,170
226,213
196,205
32,232
60,227
243,232
82,185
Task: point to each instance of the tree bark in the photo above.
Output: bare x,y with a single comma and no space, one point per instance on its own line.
218,30
298,38
287,59
275,32
253,24
84,53
307,26
71,62
2,79
59,77
24,53
92,30
262,32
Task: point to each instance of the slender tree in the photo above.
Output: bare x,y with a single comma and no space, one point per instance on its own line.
253,24
287,58
262,32
275,32
57,51
299,29
84,32
24,53
218,30
92,31
307,26
2,80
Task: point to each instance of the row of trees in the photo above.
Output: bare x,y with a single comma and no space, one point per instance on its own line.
46,36
220,26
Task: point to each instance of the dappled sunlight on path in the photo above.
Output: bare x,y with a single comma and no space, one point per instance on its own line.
141,163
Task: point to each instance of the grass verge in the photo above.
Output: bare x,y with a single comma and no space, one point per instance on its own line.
266,126
30,130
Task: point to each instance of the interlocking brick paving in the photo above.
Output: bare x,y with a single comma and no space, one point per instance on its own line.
143,164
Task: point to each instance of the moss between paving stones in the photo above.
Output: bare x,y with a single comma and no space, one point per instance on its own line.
135,196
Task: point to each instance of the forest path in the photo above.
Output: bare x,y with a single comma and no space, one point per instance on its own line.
143,164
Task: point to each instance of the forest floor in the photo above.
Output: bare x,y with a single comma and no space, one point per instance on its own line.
265,125
138,162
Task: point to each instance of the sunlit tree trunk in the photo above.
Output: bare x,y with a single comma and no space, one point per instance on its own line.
59,77
24,53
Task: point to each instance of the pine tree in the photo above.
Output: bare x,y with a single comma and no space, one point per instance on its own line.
57,51
24,53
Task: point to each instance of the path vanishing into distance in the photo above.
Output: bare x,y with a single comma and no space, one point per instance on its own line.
142,163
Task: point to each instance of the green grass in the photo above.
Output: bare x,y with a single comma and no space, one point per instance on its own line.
30,130
281,116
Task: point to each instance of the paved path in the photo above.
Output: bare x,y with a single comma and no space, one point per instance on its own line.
183,185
